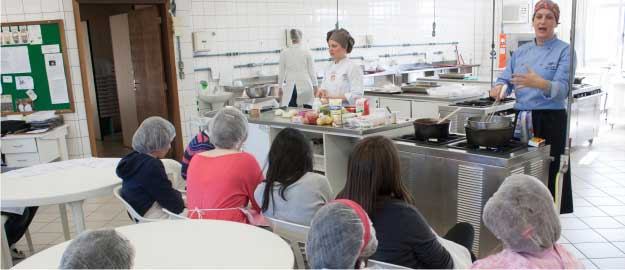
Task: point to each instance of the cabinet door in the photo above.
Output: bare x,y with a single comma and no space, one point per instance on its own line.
402,107
425,109
258,142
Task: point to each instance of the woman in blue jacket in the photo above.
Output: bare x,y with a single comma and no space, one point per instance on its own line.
538,72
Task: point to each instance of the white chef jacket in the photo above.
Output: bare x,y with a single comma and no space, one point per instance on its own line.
296,67
344,79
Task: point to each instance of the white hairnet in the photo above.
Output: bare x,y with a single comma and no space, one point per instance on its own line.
296,35
228,129
335,238
155,133
522,215
99,249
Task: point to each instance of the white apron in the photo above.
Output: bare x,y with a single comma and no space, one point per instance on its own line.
304,89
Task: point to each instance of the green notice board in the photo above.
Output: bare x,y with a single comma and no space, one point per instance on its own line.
35,69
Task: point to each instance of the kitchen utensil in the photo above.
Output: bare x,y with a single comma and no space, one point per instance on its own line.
496,122
257,91
494,137
449,115
453,75
388,109
502,95
428,128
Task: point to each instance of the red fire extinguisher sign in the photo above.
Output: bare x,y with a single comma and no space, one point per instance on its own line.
502,50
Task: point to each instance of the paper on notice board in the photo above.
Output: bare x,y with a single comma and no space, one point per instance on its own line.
56,78
53,48
34,34
15,60
24,82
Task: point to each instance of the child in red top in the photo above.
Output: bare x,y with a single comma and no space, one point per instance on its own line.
223,179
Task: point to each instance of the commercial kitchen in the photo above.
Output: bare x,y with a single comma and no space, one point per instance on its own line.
80,77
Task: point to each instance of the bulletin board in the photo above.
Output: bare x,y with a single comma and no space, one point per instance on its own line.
34,70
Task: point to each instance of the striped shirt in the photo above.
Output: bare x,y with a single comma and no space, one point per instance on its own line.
199,144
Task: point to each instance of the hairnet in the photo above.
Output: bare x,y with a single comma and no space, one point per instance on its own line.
550,5
336,237
296,35
341,36
228,129
522,215
100,249
155,133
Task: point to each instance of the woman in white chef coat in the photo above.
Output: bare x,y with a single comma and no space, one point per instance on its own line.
296,67
343,78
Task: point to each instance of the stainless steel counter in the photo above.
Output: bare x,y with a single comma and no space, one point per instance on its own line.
436,79
420,97
269,118
451,186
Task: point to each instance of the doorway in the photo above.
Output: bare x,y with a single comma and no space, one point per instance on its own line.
128,71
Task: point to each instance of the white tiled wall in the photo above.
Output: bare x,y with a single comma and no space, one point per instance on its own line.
33,10
259,25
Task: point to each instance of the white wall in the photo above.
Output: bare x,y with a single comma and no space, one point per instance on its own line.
32,10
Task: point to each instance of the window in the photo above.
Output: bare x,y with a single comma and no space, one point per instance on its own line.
603,33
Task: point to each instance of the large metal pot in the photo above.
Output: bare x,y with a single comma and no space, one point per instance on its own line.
427,128
489,137
496,122
258,91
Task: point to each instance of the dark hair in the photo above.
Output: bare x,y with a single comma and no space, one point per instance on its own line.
290,158
346,42
373,174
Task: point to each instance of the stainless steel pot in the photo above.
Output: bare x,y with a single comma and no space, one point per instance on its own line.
258,91
496,122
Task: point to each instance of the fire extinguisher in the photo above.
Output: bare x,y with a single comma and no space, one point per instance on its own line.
502,50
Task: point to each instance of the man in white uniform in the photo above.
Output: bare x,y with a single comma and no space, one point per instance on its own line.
343,79
297,69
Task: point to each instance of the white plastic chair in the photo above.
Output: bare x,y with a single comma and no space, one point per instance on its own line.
173,169
174,216
373,264
295,235
137,218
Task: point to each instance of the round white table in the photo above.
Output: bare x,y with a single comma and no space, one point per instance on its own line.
190,244
65,182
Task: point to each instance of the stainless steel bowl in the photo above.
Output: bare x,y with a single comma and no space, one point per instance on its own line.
496,122
257,91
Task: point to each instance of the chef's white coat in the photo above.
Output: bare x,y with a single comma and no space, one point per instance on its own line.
344,79
297,69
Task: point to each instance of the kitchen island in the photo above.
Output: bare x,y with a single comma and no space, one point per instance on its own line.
331,157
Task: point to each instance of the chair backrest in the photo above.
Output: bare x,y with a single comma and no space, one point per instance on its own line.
174,216
373,264
295,235
173,169
135,216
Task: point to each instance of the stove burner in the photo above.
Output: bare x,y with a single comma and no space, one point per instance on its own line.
481,103
411,138
505,149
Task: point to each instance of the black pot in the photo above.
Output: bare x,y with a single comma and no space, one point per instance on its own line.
427,128
489,137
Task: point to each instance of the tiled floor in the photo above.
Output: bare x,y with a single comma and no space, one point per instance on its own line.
595,233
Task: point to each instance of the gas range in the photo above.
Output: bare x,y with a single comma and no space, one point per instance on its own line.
481,103
513,146
411,138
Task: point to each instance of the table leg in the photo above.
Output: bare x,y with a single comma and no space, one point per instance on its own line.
7,260
64,222
63,148
78,215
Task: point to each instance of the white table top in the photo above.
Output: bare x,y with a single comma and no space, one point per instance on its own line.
190,244
51,132
59,182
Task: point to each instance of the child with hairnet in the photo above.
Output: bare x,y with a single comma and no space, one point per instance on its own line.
99,249
523,216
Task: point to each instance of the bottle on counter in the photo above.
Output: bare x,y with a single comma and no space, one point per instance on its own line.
316,106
